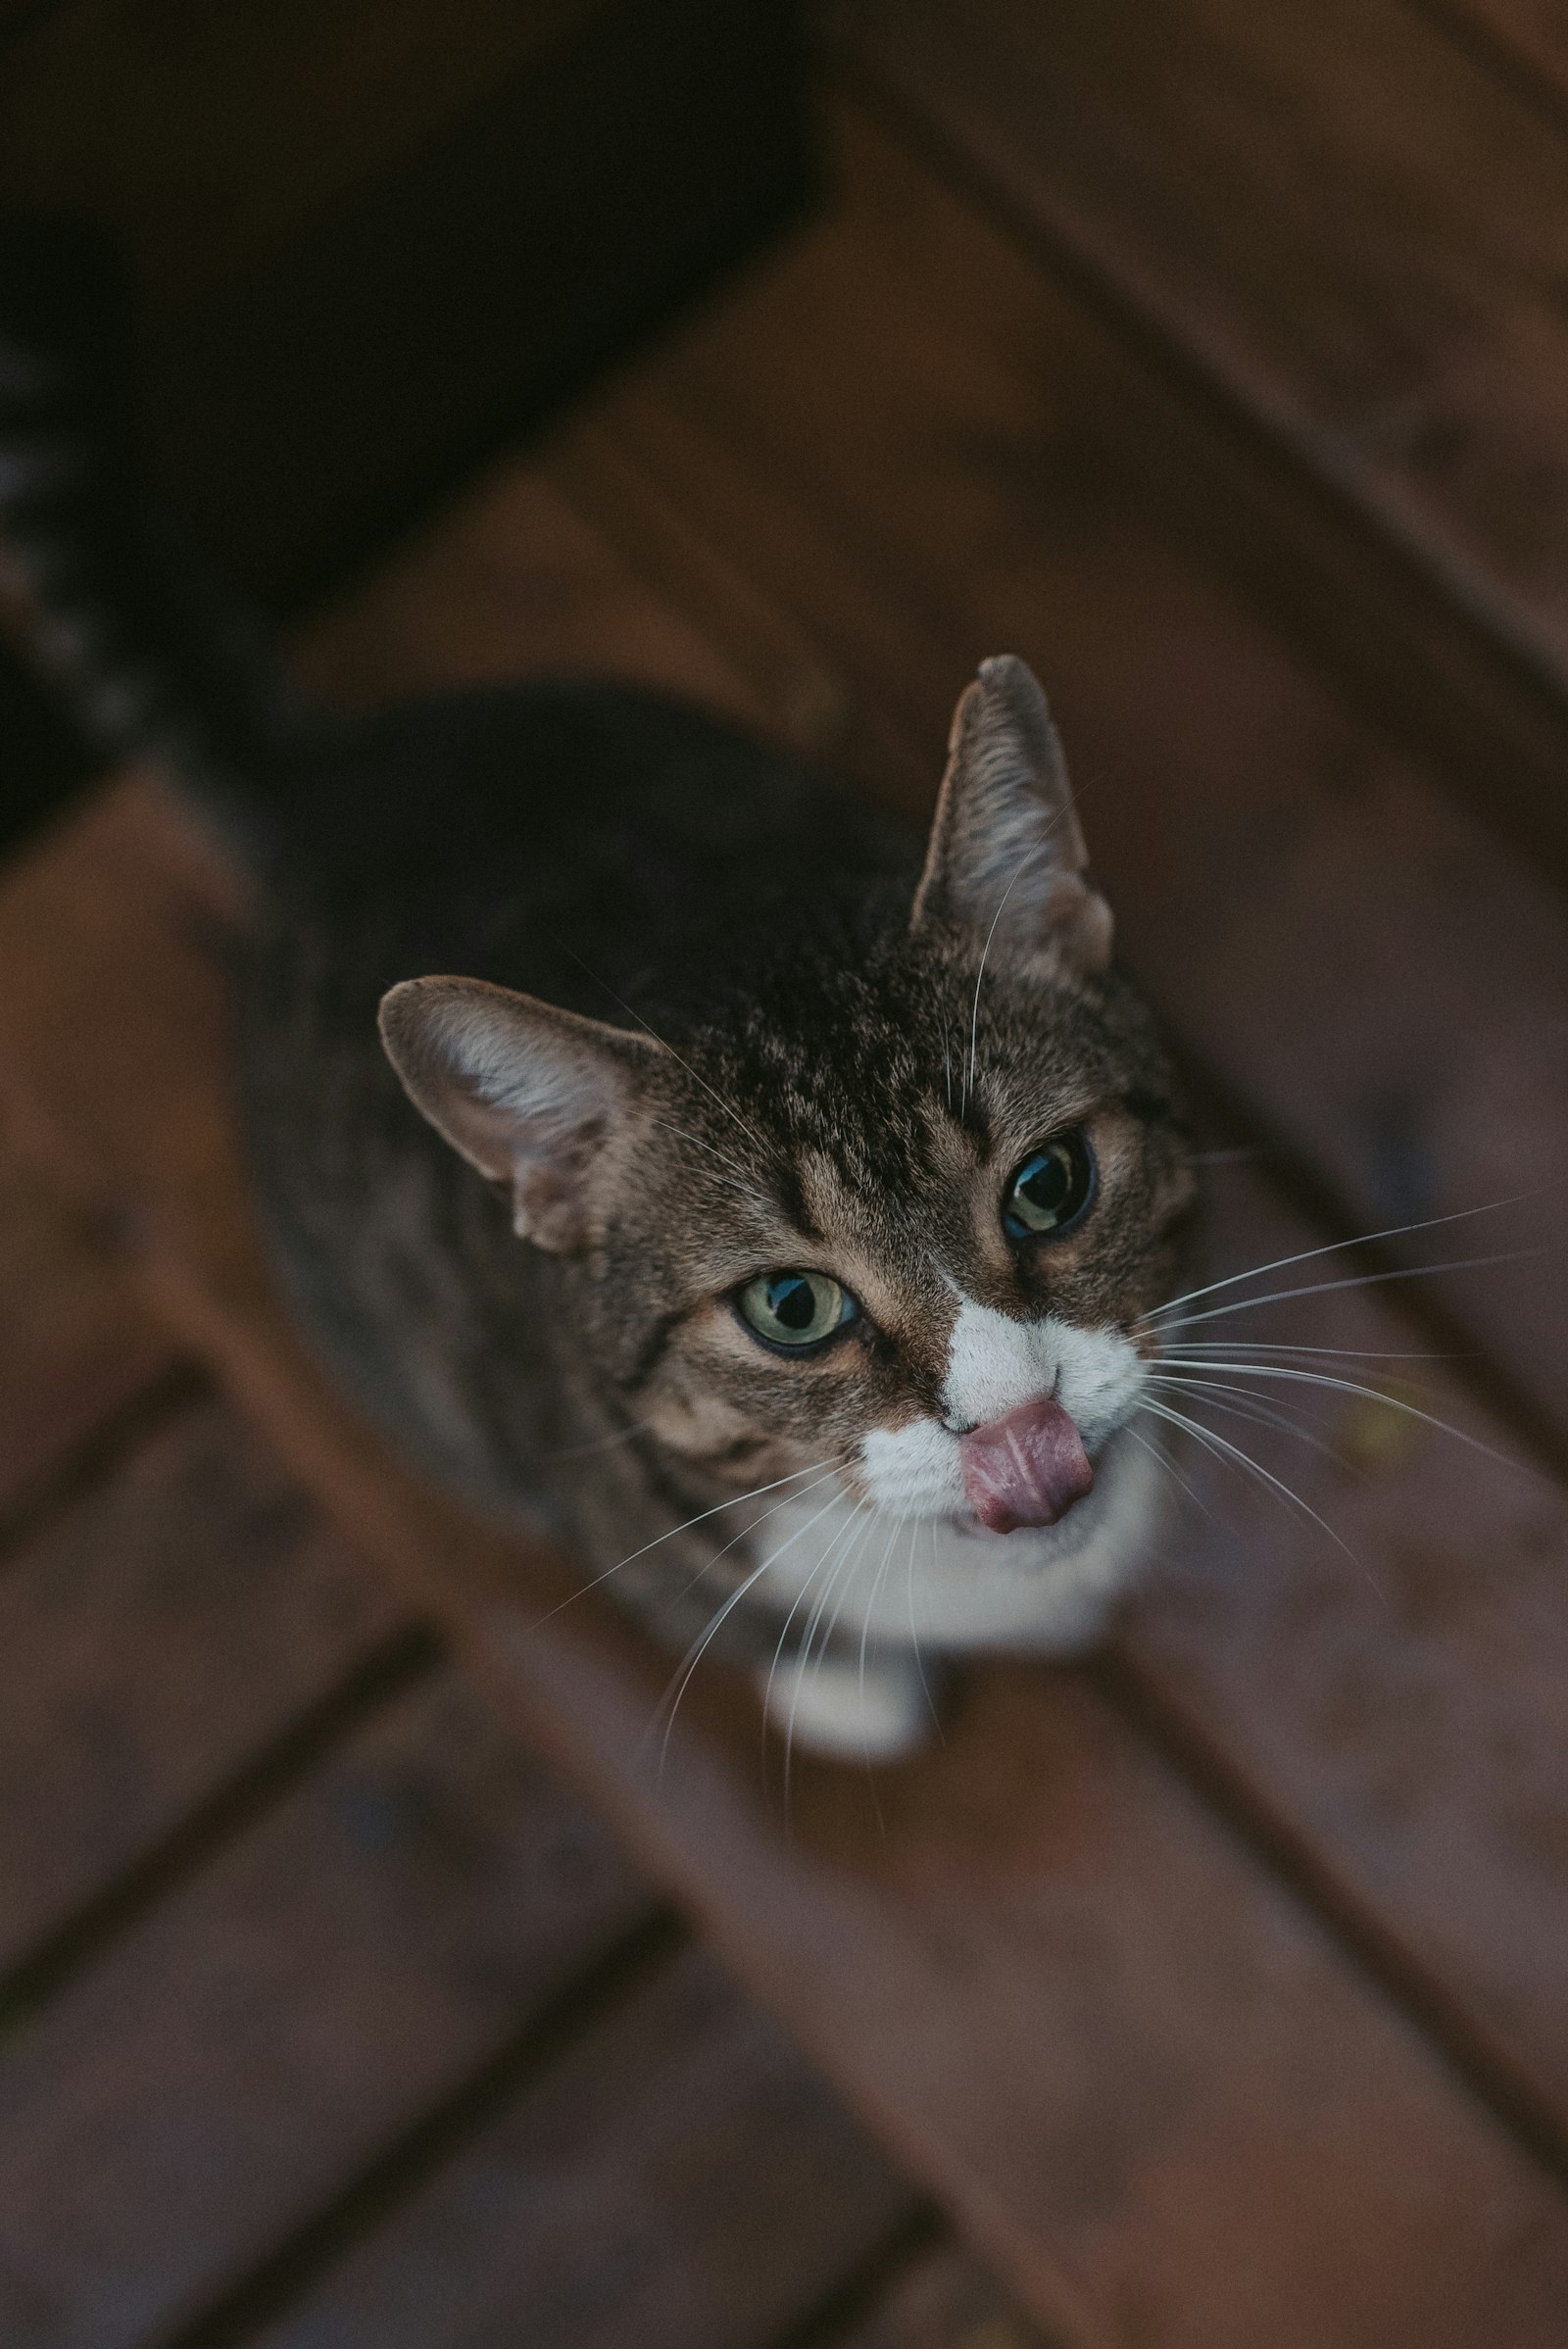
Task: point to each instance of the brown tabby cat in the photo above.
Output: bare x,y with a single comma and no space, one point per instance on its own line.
769,1211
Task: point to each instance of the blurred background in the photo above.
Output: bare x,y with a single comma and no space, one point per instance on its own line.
1208,1995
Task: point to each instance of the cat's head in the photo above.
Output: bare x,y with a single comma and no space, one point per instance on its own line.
893,1221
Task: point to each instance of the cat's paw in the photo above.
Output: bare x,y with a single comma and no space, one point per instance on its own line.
831,1707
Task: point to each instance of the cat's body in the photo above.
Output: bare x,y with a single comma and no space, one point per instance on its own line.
802,1202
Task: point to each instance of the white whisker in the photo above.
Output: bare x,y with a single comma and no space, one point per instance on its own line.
699,1648
1360,1280
1376,1395
735,1501
1211,1439
1034,850
1305,1255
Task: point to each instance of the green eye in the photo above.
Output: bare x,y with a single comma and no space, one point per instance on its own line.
796,1309
1051,1188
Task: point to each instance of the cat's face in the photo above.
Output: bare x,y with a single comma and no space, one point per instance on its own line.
893,1236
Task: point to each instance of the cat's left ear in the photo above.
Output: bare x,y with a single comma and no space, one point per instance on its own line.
540,1100
1006,860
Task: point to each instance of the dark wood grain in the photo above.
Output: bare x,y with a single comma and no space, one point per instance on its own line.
154,1640
1073,2003
226,2069
79,1346
1343,230
923,452
678,2181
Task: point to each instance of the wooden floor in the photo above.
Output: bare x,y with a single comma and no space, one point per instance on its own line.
366,1983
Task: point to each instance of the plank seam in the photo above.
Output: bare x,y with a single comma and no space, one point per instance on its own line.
390,1670
1478,2062
96,1457
392,2176
854,2300
1501,60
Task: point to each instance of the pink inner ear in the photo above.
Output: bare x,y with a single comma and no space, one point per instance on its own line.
1027,1469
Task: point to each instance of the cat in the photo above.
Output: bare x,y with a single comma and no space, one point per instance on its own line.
667,1148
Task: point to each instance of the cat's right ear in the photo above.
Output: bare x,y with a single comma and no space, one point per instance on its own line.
1006,864
530,1096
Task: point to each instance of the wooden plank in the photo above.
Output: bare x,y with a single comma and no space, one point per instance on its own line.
509,577
1341,229
233,2062
677,2181
154,1640
79,1346
924,452
1071,2001
946,2302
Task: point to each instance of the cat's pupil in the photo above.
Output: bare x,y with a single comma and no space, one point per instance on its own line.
791,1301
1047,1187
795,1308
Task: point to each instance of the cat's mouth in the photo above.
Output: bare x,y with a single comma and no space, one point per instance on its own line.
1026,1470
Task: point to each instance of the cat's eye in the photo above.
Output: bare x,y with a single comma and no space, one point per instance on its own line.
796,1309
1051,1188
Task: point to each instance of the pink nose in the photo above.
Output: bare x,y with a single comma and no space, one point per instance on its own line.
1027,1469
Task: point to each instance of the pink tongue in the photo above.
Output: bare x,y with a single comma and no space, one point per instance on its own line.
1027,1469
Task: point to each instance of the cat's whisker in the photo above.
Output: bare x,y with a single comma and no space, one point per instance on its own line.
841,1558
1343,1353
649,1030
1330,1248
1360,1280
752,1524
1163,1459
746,1180
1255,1412
869,1609
778,1650
1214,1440
1377,1394
735,1501
914,1629
694,1654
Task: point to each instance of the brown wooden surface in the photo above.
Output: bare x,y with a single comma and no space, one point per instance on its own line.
154,1640
79,1345
676,2181
243,2051
1217,1988
1340,220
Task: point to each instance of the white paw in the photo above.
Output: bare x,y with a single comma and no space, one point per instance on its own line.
830,1706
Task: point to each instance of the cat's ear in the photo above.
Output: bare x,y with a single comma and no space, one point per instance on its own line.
530,1096
1006,860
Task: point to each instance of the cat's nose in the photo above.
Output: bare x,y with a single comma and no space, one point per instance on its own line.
1027,1469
